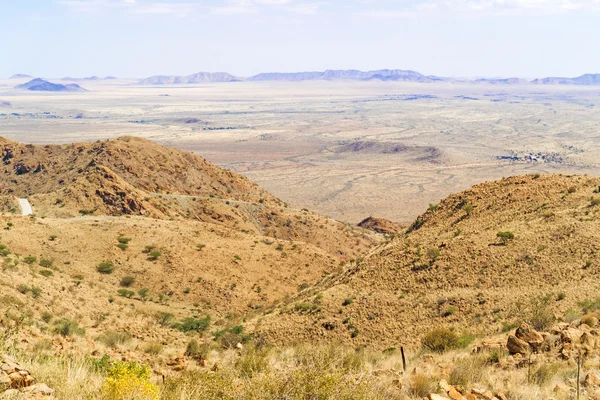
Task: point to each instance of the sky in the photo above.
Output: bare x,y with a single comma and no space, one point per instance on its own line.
140,38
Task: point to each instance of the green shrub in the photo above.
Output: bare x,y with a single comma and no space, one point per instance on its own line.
36,292
153,255
544,373
590,305
127,281
126,293
143,293
196,350
66,327
124,240
193,324
468,370
122,246
468,208
114,339
46,272
153,348
105,267
252,361
46,263
440,340
448,311
433,254
200,246
505,237
47,317
348,301
30,260
164,318
560,296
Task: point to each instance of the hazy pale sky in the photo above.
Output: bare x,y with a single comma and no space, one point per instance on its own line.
138,38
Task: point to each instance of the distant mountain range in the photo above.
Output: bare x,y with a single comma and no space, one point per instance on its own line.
587,79
40,85
88,78
200,77
395,75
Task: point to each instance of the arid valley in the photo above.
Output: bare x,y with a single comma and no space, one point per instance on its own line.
347,150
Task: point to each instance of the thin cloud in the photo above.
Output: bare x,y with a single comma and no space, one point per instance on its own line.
129,6
487,7
257,6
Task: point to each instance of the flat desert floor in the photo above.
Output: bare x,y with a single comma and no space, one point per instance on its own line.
345,149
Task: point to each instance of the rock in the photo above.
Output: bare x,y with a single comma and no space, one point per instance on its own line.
444,385
591,380
517,346
455,394
239,346
14,379
562,388
527,334
501,396
570,335
39,390
434,396
587,339
551,341
558,328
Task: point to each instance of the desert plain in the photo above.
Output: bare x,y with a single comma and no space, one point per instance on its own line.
345,149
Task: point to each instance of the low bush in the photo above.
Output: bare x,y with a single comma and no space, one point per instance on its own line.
193,324
505,237
105,267
127,281
66,327
196,350
441,340
126,293
114,339
422,385
129,380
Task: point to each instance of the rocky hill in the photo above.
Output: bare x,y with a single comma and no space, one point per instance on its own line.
235,245
476,261
41,85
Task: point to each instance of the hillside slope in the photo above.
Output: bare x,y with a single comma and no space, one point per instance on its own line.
456,268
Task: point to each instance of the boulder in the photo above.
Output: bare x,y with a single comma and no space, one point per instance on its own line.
527,334
587,340
455,394
591,380
15,379
517,346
